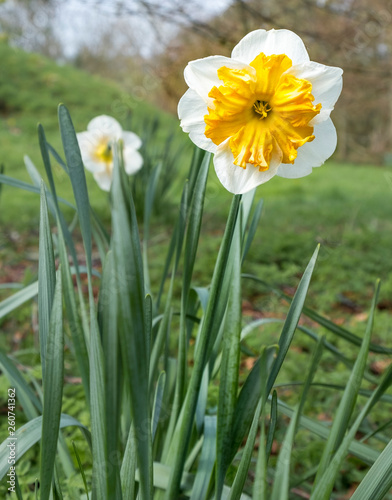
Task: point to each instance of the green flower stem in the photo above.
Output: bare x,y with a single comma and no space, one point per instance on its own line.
185,422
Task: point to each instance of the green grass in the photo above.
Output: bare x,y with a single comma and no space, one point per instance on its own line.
346,208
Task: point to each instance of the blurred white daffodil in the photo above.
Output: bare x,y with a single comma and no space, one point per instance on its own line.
96,147
263,112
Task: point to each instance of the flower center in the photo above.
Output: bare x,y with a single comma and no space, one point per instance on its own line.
263,112
262,108
104,151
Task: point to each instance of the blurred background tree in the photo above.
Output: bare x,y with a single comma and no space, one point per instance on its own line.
145,45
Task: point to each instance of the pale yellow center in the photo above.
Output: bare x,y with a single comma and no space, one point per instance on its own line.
103,151
262,111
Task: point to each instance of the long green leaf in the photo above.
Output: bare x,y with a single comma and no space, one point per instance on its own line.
228,386
53,392
292,319
347,403
207,459
17,299
272,424
260,483
98,415
55,205
81,468
148,206
46,279
243,468
71,310
248,400
157,407
326,483
131,320
58,158
128,467
378,481
107,314
26,396
252,228
193,231
29,434
77,176
197,159
10,181
364,452
281,487
321,320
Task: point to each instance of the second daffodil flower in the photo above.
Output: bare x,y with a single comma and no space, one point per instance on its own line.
263,112
96,147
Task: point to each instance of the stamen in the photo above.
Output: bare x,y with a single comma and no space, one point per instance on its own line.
262,108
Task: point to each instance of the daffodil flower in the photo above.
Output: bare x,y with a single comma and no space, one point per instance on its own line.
96,147
263,112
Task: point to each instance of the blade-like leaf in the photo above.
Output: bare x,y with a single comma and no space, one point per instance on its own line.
148,206
10,181
243,468
128,467
17,299
81,468
292,319
107,315
281,487
228,386
364,452
207,459
156,410
378,481
130,292
26,396
77,176
53,391
252,228
321,320
46,279
260,483
98,415
29,434
347,403
72,313
247,401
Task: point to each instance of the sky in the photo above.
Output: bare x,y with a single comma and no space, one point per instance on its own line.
81,22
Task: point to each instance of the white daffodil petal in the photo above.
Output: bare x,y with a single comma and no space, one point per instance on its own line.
191,111
87,141
131,140
103,179
202,74
312,154
238,180
270,42
105,126
94,166
326,83
133,160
